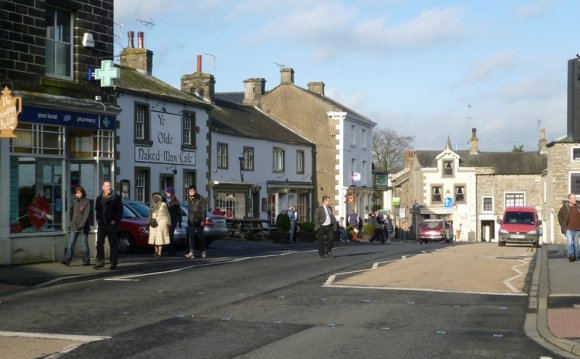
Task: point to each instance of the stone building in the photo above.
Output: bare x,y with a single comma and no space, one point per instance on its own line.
66,131
469,187
342,137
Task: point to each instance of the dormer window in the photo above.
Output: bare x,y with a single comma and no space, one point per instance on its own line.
448,168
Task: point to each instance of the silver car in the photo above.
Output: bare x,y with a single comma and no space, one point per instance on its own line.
214,228
215,225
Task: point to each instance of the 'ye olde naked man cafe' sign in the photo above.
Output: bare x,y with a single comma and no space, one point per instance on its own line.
165,147
10,107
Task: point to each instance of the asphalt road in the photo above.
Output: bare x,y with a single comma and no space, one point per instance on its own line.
276,305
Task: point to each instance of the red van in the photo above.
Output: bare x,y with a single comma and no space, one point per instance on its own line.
521,225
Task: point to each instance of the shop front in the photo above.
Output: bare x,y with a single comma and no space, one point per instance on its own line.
56,148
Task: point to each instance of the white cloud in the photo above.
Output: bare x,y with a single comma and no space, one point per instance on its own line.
429,28
130,10
485,68
533,9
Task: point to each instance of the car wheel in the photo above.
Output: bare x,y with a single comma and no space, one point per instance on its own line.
124,242
500,243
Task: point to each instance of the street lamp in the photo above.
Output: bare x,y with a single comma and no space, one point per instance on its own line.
241,167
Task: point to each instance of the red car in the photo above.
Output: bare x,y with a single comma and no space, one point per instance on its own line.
133,231
433,230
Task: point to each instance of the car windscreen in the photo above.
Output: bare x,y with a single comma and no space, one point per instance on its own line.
519,218
141,209
432,224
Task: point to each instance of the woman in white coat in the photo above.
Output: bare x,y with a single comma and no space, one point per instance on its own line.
159,223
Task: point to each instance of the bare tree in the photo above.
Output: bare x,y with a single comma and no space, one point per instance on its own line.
388,149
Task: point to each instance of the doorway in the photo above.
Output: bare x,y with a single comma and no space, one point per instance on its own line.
487,231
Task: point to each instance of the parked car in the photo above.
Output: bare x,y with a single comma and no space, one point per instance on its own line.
433,230
519,224
133,230
214,227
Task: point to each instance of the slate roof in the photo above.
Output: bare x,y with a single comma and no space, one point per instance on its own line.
505,163
238,97
137,82
337,105
241,120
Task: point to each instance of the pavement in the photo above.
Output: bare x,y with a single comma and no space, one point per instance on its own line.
552,319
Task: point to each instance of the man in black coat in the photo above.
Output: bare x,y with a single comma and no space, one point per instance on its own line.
325,224
109,212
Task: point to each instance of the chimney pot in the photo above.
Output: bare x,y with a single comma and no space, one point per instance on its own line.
131,38
199,64
140,40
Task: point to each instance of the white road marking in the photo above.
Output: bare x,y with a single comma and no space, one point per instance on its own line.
329,282
78,338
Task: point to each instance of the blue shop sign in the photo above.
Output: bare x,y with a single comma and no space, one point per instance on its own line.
67,118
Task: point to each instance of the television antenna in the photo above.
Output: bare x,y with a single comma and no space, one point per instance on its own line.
146,23
279,65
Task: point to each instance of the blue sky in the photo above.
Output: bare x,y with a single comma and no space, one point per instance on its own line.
428,69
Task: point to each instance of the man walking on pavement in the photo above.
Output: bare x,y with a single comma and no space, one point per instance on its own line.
109,211
569,218
325,224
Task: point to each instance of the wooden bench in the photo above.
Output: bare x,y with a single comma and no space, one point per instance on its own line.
249,228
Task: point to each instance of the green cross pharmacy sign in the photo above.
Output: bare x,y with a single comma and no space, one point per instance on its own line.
107,73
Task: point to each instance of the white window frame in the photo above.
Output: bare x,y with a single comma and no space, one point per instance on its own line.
575,157
188,128
433,188
278,159
222,155
519,201
571,187
364,138
300,161
58,41
456,193
483,199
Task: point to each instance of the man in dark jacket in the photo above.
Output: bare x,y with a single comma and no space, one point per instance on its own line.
109,212
196,213
569,218
325,224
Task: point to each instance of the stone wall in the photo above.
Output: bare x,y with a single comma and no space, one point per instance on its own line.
22,45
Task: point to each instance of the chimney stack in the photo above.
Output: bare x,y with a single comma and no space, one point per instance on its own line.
286,76
409,155
138,58
543,143
199,84
316,87
254,89
473,148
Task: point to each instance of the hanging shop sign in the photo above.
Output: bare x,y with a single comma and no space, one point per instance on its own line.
10,107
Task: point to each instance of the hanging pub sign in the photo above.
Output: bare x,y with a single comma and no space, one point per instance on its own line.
10,107
381,181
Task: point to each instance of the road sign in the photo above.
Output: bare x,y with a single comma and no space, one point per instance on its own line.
448,202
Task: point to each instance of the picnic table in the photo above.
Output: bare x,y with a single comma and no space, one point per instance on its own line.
249,228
